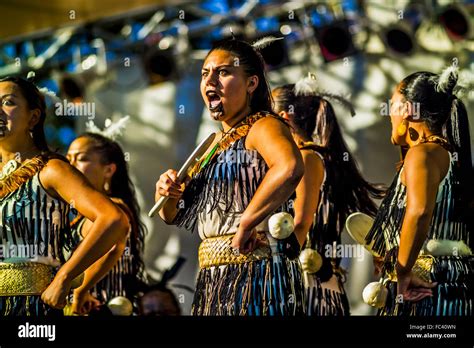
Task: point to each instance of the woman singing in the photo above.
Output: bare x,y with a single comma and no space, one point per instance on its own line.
248,174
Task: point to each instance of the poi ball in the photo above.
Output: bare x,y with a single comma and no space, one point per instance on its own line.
120,306
281,225
375,294
311,261
443,247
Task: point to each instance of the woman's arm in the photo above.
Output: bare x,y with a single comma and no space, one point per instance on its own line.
307,194
109,225
422,177
273,141
169,186
95,273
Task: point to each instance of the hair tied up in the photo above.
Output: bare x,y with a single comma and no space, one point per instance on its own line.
265,42
31,76
307,86
447,80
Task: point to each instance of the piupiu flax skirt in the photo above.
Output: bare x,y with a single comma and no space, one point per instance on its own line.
325,298
269,284
453,296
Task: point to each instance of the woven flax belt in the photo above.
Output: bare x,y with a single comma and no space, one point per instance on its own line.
216,251
26,278
422,268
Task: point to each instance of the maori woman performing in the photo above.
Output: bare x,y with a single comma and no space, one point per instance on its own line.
37,188
249,173
424,225
102,161
332,187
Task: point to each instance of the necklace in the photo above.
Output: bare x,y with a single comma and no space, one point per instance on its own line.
437,139
13,165
8,168
225,135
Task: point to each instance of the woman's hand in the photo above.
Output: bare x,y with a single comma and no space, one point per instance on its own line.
246,241
413,288
83,302
56,293
169,186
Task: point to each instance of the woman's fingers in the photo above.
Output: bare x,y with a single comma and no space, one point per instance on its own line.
250,244
414,296
419,283
168,185
168,191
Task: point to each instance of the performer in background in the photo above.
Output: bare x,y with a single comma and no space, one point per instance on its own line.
332,188
37,188
248,174
424,225
102,161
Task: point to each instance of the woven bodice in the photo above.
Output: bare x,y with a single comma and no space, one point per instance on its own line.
121,279
34,225
444,224
242,169
217,196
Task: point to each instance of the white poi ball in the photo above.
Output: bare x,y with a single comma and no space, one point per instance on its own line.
281,225
120,306
375,294
310,260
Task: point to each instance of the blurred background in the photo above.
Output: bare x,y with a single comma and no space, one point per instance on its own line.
142,58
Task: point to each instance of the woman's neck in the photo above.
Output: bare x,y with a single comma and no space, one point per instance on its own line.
20,152
423,133
300,138
234,121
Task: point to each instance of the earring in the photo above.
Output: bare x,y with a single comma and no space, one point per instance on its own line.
402,128
413,134
106,187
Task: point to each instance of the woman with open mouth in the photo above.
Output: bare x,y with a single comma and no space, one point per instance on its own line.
37,189
243,271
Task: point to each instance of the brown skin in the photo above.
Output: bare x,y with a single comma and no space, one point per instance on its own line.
268,136
82,156
158,303
425,165
64,182
18,120
307,192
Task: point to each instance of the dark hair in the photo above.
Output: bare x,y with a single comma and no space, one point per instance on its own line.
314,115
174,309
438,106
445,114
122,187
253,64
35,100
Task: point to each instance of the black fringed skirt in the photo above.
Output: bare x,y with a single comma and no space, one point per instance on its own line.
453,296
268,287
